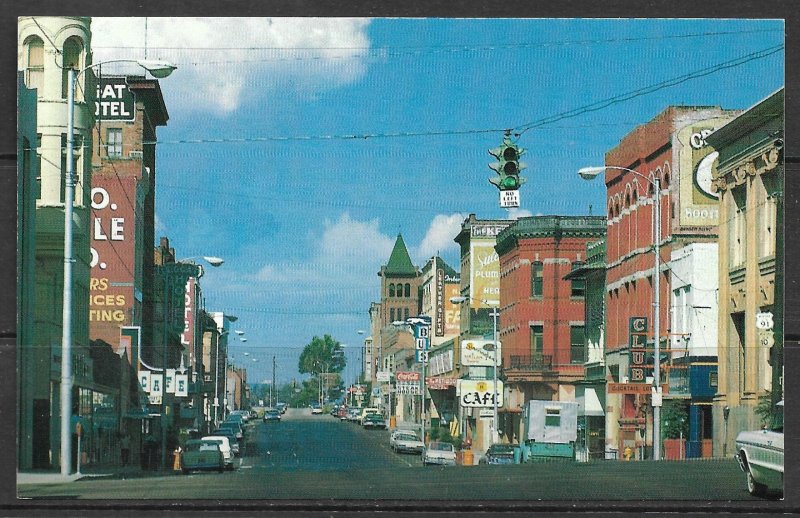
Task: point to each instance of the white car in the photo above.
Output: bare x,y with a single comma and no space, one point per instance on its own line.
406,441
760,456
442,453
366,411
224,447
316,408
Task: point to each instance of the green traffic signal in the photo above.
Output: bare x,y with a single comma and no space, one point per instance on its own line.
507,166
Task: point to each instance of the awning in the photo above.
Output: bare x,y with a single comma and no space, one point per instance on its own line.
589,404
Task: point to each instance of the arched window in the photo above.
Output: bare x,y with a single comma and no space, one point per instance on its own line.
408,290
73,58
34,68
391,290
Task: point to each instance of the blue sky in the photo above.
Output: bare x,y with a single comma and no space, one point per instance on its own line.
256,165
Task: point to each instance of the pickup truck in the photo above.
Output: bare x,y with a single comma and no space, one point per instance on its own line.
760,456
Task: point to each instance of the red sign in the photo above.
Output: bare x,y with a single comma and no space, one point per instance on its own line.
187,337
437,383
406,376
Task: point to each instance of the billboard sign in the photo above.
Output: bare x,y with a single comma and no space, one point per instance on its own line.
406,376
480,393
115,100
479,353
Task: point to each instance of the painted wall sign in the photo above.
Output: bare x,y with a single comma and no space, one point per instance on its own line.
115,100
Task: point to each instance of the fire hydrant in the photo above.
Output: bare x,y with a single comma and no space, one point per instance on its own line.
627,453
176,465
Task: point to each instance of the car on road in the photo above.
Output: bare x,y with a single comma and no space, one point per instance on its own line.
280,405
243,414
224,446
353,414
231,435
406,441
201,455
498,454
341,413
272,414
374,421
315,408
760,455
442,453
366,411
234,426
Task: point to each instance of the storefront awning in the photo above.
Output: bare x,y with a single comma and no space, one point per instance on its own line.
590,404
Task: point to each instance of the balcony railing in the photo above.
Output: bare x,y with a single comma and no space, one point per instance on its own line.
533,362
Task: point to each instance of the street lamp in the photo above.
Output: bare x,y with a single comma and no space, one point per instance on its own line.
160,70
417,323
494,347
588,173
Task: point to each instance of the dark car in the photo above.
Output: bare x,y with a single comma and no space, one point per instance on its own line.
272,414
499,454
202,455
280,405
234,426
374,421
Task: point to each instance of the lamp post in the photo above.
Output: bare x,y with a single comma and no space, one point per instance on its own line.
158,69
494,314
418,323
589,173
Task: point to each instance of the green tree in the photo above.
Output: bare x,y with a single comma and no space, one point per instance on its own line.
322,355
674,419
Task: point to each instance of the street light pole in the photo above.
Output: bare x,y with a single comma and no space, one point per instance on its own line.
588,173
495,434
158,69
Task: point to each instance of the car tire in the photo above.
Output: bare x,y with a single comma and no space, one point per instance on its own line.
753,487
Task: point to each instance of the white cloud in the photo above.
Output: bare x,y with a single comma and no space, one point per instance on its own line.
221,59
439,238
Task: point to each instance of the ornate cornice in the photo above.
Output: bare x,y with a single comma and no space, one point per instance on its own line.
756,164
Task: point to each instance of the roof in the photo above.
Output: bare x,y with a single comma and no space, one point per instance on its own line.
400,262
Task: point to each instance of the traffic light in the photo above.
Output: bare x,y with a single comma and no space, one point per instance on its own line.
507,166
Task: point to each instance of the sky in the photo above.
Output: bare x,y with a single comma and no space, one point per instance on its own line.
298,148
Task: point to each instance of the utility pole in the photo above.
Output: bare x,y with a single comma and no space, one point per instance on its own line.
273,403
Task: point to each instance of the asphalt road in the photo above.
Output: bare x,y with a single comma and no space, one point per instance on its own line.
307,457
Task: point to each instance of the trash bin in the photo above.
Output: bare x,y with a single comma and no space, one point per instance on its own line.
393,422
467,458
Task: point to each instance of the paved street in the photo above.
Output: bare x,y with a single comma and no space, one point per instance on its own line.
318,457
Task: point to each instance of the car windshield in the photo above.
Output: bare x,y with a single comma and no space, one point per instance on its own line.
441,446
501,449
407,437
273,412
201,446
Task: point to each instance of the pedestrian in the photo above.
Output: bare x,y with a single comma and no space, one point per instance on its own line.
125,447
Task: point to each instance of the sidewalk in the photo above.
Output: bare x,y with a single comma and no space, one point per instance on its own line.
117,472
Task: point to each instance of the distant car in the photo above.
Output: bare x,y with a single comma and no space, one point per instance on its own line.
498,454
231,435
272,414
373,421
224,446
442,453
406,441
315,408
202,455
341,413
243,414
280,405
235,426
760,456
353,414
366,411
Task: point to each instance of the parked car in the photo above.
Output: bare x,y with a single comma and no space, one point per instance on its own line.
353,414
373,421
342,413
498,454
235,427
366,411
272,414
315,408
280,405
201,455
406,441
224,446
760,456
231,435
442,453
244,414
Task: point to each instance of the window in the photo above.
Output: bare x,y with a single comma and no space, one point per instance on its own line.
408,290
405,313
391,290
537,269
73,48
552,417
537,333
713,380
737,227
392,315
34,72
114,143
577,346
578,283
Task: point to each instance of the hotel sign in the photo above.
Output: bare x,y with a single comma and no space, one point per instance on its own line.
115,101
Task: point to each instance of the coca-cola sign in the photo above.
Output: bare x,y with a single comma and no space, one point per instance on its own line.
406,376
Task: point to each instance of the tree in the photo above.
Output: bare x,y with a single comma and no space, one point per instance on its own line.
675,419
322,355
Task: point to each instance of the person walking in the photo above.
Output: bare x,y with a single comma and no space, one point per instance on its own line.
125,446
